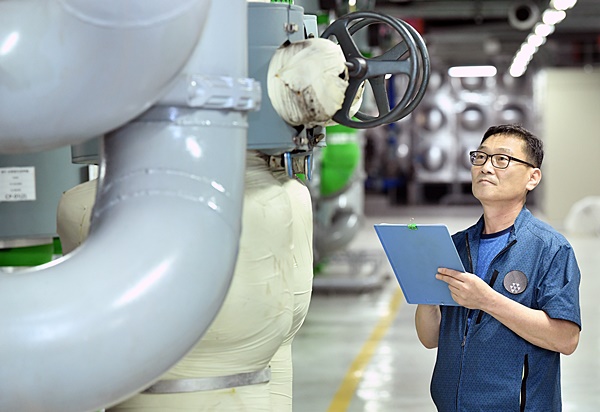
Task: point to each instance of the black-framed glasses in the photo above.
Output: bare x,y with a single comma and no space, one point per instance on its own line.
499,161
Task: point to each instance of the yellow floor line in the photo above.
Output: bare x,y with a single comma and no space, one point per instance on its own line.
343,397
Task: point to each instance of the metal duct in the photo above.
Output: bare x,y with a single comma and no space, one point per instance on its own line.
523,15
476,100
512,113
433,136
339,218
515,101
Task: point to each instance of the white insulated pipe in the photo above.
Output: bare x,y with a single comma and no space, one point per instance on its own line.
75,69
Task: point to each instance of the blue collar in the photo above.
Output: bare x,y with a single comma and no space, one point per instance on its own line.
524,216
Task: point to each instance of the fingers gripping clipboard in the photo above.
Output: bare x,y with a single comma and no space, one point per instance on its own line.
415,252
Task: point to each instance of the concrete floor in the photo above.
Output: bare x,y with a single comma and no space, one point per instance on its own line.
358,350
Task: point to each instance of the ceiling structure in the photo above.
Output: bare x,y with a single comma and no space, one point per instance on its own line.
475,32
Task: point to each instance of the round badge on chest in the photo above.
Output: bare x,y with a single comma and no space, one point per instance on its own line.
515,282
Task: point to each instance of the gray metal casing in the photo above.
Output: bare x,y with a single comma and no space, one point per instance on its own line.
434,144
87,153
54,174
267,24
475,98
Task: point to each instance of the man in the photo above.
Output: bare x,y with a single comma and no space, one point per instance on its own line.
519,305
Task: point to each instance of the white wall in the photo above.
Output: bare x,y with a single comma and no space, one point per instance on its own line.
569,103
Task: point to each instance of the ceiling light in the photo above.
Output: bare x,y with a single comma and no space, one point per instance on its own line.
522,58
535,40
551,16
544,30
517,71
563,4
472,71
528,48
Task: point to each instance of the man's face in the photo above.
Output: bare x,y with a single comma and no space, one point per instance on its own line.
503,185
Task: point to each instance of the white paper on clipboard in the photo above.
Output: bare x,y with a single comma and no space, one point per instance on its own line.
415,252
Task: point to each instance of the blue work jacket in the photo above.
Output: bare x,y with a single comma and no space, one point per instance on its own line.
486,366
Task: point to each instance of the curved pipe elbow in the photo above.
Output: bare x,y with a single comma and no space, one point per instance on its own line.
74,69
96,326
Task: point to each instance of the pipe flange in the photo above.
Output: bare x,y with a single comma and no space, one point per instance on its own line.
214,93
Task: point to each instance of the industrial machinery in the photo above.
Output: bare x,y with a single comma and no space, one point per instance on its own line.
450,122
178,106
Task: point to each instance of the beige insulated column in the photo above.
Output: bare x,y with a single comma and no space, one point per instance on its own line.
302,228
74,215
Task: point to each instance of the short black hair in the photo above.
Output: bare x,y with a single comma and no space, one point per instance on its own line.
534,149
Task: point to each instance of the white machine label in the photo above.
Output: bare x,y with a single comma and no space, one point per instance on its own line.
17,184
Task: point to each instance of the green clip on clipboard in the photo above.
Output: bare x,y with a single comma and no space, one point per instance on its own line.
415,252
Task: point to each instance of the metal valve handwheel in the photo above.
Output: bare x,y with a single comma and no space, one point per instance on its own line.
408,58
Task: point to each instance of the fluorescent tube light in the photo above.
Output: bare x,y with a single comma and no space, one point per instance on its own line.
472,71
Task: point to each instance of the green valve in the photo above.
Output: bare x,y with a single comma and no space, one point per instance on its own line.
323,19
57,246
412,226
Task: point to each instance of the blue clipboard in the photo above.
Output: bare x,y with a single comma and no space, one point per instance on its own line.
415,252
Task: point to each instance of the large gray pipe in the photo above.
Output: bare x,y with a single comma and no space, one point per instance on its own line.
105,321
74,69
102,323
